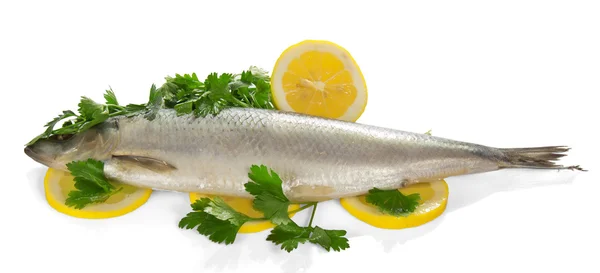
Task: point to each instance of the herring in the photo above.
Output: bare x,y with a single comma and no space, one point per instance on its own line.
317,158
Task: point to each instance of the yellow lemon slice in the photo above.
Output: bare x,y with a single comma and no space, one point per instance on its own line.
244,205
58,184
319,78
434,197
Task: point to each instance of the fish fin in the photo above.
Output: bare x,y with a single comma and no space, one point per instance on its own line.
536,158
149,163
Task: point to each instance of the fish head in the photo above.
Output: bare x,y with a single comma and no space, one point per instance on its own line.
56,151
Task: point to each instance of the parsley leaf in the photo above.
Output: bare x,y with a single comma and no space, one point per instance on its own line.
110,97
269,197
253,88
393,202
289,236
80,199
155,102
50,126
329,239
214,219
90,182
90,114
216,230
181,89
184,107
219,209
133,109
186,84
90,171
89,109
218,86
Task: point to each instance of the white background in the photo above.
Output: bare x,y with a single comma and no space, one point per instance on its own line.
499,73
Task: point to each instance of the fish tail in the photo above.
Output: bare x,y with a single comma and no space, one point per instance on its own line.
536,157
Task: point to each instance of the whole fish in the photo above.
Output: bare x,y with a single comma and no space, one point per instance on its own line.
316,158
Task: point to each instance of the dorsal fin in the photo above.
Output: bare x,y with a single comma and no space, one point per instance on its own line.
149,163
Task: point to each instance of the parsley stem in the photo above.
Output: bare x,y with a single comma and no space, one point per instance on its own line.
117,113
302,208
240,103
290,212
116,106
312,216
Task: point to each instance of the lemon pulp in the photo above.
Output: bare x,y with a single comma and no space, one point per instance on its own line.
58,184
244,205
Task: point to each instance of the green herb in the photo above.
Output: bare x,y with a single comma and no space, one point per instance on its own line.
290,235
329,239
269,198
90,114
187,94
184,93
155,103
50,126
110,97
266,187
215,219
393,202
90,182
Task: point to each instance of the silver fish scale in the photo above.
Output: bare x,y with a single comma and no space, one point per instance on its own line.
316,158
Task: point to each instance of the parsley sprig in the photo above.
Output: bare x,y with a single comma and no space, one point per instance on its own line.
213,218
184,93
290,235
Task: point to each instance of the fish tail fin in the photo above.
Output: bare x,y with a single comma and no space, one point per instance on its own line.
536,158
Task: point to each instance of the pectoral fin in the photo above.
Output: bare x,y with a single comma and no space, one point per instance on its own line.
152,164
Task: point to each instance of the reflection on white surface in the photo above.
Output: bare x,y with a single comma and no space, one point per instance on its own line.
464,191
468,189
35,177
251,248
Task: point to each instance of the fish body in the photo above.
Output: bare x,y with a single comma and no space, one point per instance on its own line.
316,158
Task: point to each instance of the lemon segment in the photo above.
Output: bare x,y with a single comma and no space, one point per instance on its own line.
319,78
434,197
58,184
244,205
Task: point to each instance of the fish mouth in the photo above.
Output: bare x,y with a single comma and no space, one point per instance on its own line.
45,160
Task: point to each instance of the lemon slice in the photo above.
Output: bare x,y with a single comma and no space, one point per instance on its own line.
319,78
244,205
434,197
58,184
